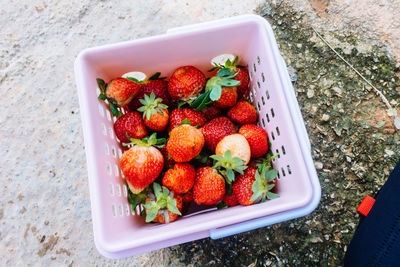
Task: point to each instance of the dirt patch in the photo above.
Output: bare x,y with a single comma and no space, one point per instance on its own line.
49,245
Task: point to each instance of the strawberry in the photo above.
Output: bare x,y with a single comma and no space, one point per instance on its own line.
230,200
178,115
209,186
242,75
130,124
211,112
188,196
215,130
237,145
119,91
257,138
244,78
255,185
180,179
243,113
158,86
168,160
186,83
155,114
142,163
242,187
162,206
220,90
228,97
185,142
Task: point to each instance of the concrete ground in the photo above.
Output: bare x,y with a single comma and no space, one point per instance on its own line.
45,206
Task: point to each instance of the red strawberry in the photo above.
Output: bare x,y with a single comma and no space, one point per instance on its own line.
211,112
185,142
121,91
186,83
253,187
158,87
132,124
141,164
155,114
244,78
180,179
243,113
188,197
230,200
209,186
228,97
179,115
257,138
163,206
237,145
242,187
168,160
215,130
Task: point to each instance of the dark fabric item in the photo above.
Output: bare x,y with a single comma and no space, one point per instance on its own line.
376,241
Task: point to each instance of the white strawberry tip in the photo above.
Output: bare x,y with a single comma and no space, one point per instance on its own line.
221,59
140,76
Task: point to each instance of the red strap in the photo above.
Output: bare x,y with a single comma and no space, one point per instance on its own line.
366,205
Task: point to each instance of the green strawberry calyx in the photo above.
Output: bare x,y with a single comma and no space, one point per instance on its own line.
228,165
162,201
103,96
136,199
224,78
262,186
147,141
151,105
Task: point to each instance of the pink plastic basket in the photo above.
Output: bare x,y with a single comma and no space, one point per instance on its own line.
120,233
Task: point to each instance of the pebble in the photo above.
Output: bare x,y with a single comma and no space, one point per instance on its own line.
325,117
318,165
310,93
337,90
348,159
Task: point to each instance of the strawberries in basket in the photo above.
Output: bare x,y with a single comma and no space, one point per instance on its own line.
209,151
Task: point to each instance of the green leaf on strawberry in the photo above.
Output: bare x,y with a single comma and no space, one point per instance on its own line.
261,187
151,140
115,111
228,165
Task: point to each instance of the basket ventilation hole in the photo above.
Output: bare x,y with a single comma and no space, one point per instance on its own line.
263,122
116,170
266,115
251,97
262,76
272,112
122,175
114,212
283,150
277,131
111,189
114,151
121,210
255,92
119,152
114,119
111,131
254,66
263,100
277,152
101,110
104,129
283,172
125,190
258,60
251,75
272,135
98,91
279,176
267,94
258,84
258,105
106,149
127,209
109,171
119,192
138,210
289,170
108,115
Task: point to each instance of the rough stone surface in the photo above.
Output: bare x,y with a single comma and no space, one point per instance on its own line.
45,207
